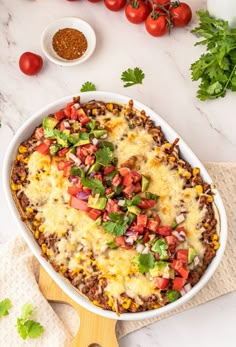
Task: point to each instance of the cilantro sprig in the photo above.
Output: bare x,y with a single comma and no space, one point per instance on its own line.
94,184
117,225
145,262
104,156
132,77
27,327
160,246
87,87
216,69
4,307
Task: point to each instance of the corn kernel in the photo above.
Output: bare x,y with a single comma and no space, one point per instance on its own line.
187,174
49,252
22,149
196,171
215,237
41,228
36,223
19,157
26,160
199,189
210,198
94,111
109,106
16,186
44,247
29,209
167,145
216,245
36,234
126,303
172,158
110,301
206,225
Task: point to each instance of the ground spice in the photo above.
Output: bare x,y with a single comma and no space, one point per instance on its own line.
69,43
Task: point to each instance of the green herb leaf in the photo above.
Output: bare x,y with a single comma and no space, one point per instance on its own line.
145,262
116,217
151,196
87,87
117,229
136,200
94,184
108,144
25,326
104,156
160,246
4,307
77,171
112,244
132,76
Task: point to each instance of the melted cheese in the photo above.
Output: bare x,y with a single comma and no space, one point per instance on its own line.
85,243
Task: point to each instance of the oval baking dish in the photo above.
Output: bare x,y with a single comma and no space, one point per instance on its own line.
26,131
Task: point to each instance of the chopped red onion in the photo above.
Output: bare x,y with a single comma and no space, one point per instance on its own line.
187,287
146,250
196,260
82,196
129,240
77,106
131,233
75,159
87,167
73,179
95,141
72,121
182,292
104,136
92,174
121,202
140,248
66,124
180,218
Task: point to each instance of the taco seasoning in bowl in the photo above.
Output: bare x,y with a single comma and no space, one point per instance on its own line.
68,41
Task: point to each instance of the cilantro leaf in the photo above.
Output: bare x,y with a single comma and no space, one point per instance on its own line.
94,184
116,217
136,200
151,196
77,171
27,327
145,262
4,307
107,144
87,87
160,246
132,77
104,156
117,229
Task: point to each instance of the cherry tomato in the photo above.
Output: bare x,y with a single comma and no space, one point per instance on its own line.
164,3
137,11
156,25
30,63
114,5
181,14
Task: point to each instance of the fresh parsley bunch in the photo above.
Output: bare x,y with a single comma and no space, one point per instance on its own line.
217,68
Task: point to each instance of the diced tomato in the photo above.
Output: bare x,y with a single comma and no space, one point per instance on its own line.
87,190
147,203
120,241
180,229
161,283
84,120
176,265
90,160
183,272
88,149
178,283
171,240
109,191
124,171
135,176
116,181
112,206
59,115
142,220
68,109
128,190
105,217
109,169
127,180
79,204
146,237
137,188
74,114
43,148
80,155
66,171
48,142
164,231
62,126
136,228
61,165
94,214
39,133
72,190
152,225
98,176
182,254
63,152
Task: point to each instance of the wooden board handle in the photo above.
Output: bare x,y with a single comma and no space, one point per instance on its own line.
94,330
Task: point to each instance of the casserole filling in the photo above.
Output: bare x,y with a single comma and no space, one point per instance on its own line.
113,206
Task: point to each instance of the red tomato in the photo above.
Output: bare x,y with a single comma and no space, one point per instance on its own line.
180,229
127,180
109,169
142,220
114,5
89,160
72,190
116,181
112,206
181,14
147,203
61,165
164,3
183,272
164,231
94,214
119,240
68,109
43,148
178,283
129,190
124,171
39,133
63,152
79,204
176,264
30,63
137,11
146,237
152,225
156,25
59,115
160,282
182,254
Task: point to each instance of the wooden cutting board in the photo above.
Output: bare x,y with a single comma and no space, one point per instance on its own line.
94,330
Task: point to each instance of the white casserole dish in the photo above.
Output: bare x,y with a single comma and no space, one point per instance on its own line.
25,132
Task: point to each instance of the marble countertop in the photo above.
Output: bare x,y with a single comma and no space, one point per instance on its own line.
208,127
